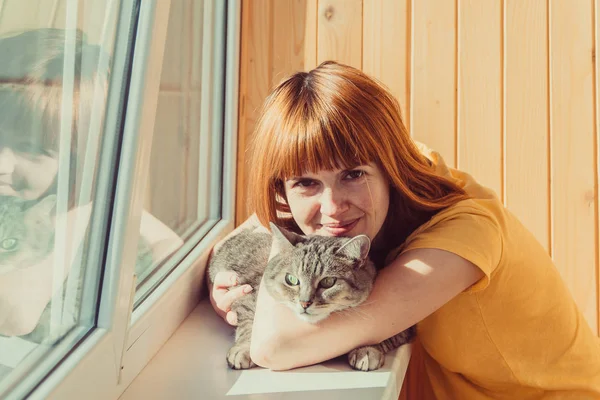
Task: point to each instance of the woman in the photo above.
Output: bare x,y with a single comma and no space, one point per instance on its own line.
31,95
333,157
31,121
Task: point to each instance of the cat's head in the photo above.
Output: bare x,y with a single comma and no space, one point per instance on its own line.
26,232
317,275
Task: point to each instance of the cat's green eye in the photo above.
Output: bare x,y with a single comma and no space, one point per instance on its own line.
328,282
9,244
291,280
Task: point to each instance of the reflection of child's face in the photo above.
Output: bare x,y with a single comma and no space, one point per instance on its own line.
26,170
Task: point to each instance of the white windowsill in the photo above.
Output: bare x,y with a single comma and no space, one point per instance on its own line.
191,365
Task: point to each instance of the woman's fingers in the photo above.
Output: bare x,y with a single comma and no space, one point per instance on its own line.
231,318
225,299
224,280
224,292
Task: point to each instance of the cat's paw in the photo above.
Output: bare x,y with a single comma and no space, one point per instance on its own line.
367,358
238,357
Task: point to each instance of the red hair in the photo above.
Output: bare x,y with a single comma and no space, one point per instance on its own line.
335,116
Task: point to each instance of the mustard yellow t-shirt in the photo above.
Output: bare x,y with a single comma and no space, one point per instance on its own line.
515,334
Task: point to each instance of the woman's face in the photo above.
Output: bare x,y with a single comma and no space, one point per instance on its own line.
26,170
340,202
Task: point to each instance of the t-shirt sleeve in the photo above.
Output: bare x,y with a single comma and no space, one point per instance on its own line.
474,236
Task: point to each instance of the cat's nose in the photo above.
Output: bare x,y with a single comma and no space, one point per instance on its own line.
305,304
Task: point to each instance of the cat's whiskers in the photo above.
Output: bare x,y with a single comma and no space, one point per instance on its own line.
366,303
359,313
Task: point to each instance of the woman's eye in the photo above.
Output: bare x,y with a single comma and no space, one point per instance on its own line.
328,282
355,174
9,244
291,280
304,183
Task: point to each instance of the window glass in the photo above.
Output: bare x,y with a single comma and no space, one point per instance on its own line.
183,196
54,73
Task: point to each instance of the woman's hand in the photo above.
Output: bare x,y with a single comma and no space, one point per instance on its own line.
224,292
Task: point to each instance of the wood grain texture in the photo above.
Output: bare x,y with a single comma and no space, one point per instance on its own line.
597,155
386,47
526,125
339,31
310,34
433,92
255,83
504,90
289,22
572,156
480,91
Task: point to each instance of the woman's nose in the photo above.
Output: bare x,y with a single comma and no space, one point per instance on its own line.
7,161
333,202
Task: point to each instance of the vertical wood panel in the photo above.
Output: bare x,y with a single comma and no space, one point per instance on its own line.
480,96
597,158
489,90
288,39
572,131
339,32
255,82
310,35
433,90
526,115
386,47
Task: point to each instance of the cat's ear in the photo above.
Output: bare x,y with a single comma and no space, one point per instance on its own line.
284,239
45,205
358,247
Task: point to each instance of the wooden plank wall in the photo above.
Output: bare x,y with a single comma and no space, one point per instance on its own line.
506,90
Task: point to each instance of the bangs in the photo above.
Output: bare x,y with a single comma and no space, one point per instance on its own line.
304,143
27,114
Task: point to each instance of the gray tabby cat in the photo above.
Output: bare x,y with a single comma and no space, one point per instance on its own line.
313,275
26,233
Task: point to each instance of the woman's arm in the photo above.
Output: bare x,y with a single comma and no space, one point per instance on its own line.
412,287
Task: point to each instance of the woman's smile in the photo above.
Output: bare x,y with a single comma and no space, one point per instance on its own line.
341,228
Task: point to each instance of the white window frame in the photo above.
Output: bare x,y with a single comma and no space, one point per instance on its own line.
111,356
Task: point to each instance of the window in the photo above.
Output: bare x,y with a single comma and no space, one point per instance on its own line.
183,194
53,84
118,154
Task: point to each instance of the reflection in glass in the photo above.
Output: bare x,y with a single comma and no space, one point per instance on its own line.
184,183
53,86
